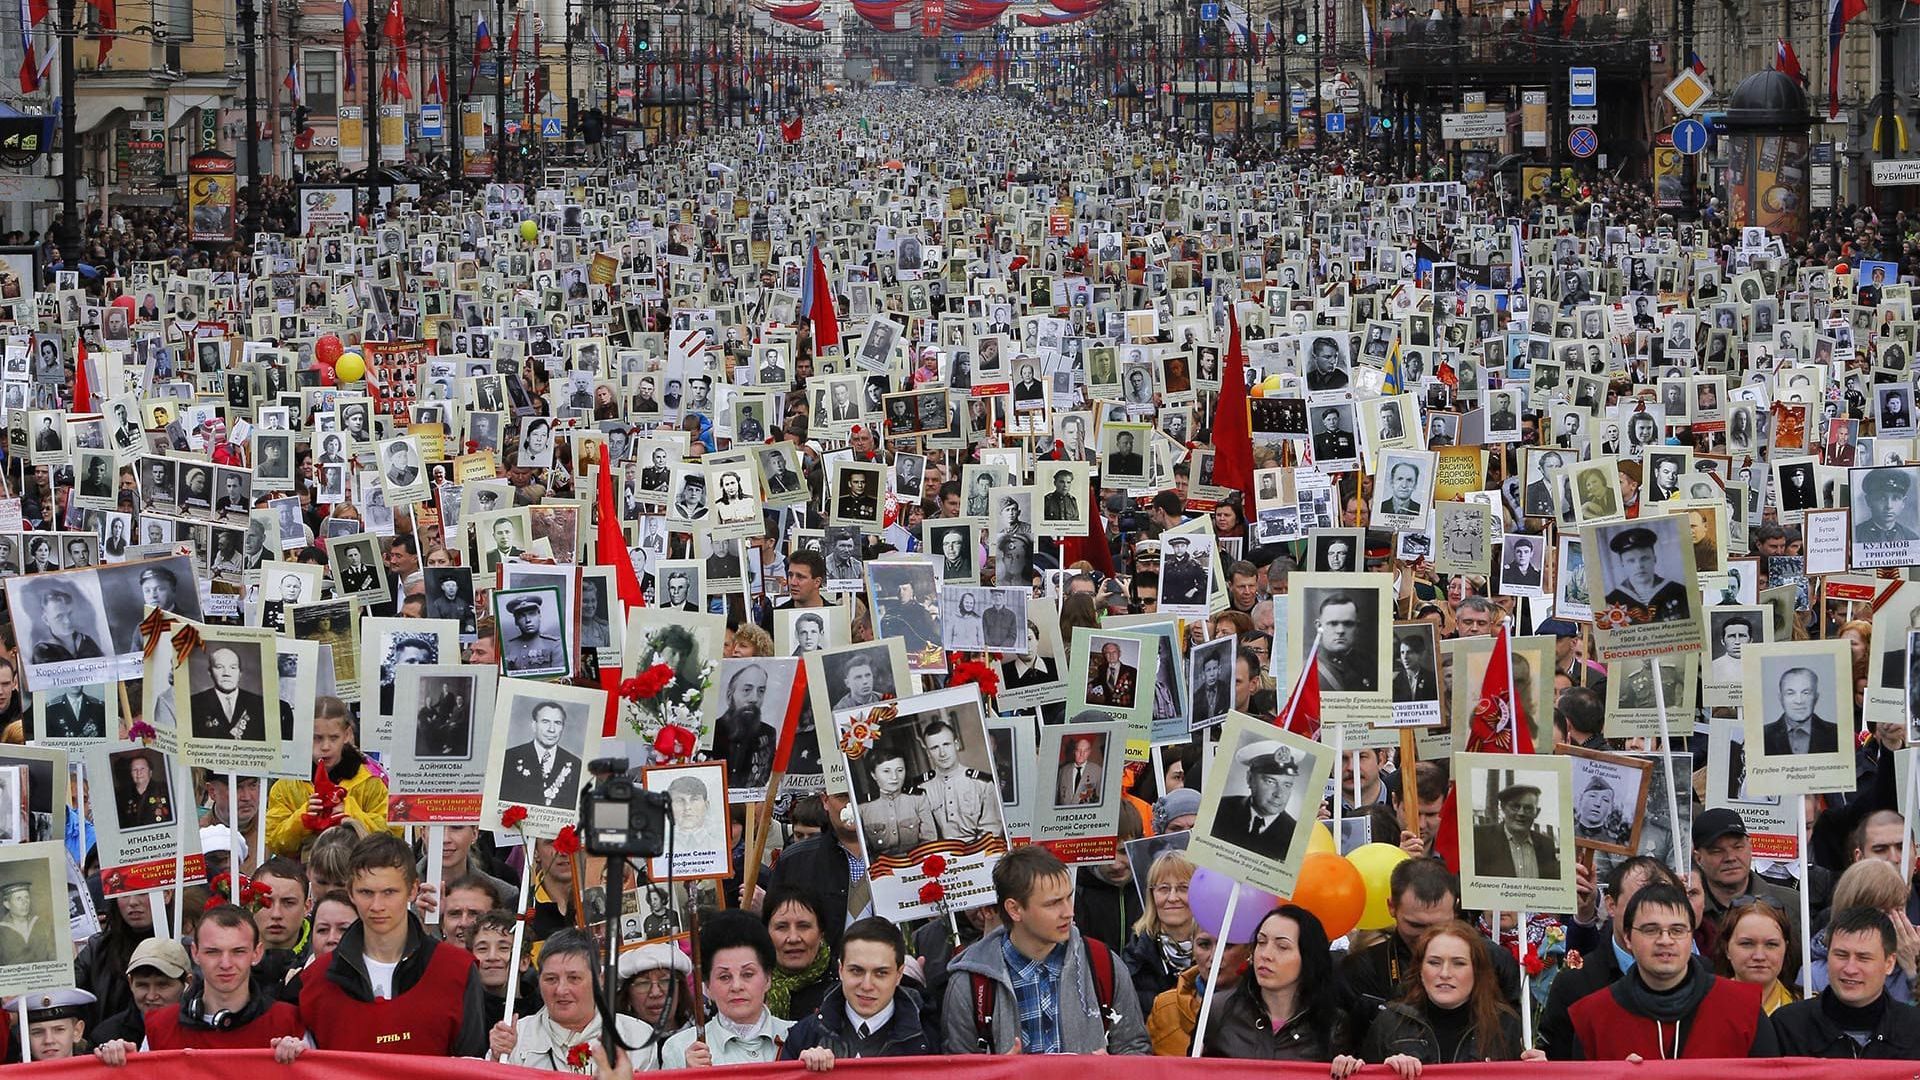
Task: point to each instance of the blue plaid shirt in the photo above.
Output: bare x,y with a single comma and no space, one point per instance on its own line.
1036,990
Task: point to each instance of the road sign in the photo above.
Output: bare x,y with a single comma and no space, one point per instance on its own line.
1583,142
1491,124
550,128
430,122
1209,12
1688,92
1583,88
1583,117
1374,130
1689,136
1903,173
1336,123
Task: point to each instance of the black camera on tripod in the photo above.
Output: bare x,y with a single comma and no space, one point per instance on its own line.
618,817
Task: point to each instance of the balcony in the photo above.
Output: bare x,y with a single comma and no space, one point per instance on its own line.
1476,46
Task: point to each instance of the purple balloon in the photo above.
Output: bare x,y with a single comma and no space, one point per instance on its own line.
1207,896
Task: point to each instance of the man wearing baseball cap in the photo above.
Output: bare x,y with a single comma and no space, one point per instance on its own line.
157,974
1725,858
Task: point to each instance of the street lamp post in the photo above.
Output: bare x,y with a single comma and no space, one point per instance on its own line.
69,232
455,124
501,65
248,14
372,34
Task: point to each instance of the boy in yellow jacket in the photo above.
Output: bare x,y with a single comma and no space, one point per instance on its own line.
353,796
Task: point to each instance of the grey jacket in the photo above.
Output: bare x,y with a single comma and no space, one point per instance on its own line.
1082,1031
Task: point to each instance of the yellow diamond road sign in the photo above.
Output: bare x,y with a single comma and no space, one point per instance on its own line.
1689,92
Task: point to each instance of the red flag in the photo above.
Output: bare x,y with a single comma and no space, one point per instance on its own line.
1302,712
610,549
109,20
1566,20
82,386
1232,426
395,28
791,130
1093,547
826,321
1499,726
610,543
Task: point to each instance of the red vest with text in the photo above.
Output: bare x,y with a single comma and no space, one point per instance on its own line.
165,1032
423,1019
1723,1026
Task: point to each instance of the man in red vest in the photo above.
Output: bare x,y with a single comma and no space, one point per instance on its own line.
388,988
225,1009
1670,1005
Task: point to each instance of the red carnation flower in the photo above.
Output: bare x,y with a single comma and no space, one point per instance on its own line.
934,866
932,892
650,682
579,1055
512,816
568,842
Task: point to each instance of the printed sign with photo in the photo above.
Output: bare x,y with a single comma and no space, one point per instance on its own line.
697,844
756,694
1638,571
227,689
1799,723
437,762
1516,828
1076,809
1345,622
1114,673
544,736
152,830
920,771
36,948
1257,805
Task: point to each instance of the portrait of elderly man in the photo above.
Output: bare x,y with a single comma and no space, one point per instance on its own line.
1511,846
1798,729
1261,821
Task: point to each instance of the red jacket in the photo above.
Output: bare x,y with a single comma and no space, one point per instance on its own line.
437,1008
1727,1023
166,1032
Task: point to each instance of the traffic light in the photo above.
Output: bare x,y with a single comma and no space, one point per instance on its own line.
1299,26
300,113
642,40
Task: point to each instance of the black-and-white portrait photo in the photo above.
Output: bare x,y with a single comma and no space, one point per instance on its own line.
532,631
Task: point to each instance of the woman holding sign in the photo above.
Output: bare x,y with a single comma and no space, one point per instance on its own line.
1453,1013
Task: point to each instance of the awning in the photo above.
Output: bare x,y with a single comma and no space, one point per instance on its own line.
95,109
179,104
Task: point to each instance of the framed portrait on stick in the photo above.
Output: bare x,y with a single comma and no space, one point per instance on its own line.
920,772
1516,830
437,765
36,945
227,689
697,844
1609,799
1076,815
141,838
545,733
1799,721
1113,673
1257,805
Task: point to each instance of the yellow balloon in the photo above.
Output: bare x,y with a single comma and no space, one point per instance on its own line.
1321,839
1375,863
350,367
529,231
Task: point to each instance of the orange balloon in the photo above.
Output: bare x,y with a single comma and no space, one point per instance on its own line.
1332,889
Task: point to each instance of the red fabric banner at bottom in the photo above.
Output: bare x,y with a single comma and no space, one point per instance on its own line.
317,1065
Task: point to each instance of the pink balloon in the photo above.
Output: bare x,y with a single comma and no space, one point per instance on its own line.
1207,896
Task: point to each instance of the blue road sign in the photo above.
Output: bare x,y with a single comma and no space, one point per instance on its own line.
1336,123
1689,136
1209,12
1583,142
550,128
1374,130
430,122
1583,88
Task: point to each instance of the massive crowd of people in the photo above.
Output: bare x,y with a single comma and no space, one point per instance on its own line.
354,932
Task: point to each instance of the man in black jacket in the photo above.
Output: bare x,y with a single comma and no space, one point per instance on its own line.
1599,966
822,866
1421,895
868,1014
1854,1018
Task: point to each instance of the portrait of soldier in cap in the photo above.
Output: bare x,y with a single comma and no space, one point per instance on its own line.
1889,517
1261,821
526,647
1635,583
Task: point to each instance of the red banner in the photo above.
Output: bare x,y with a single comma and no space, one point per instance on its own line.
315,1065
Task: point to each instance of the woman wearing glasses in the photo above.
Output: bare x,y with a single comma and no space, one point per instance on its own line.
1162,943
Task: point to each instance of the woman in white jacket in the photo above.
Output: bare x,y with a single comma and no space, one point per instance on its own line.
561,1037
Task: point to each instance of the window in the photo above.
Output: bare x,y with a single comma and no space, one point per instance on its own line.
320,71
176,18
